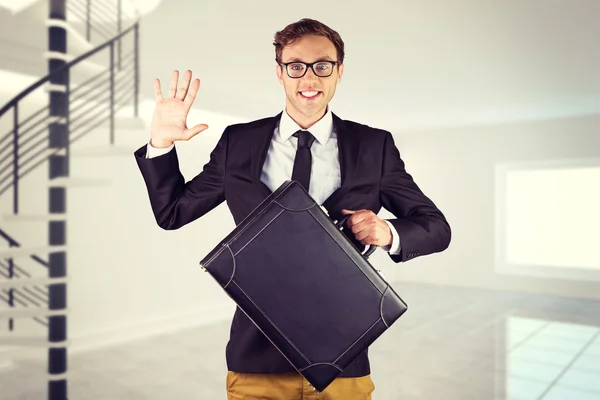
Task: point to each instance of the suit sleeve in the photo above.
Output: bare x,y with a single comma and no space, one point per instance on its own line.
421,226
175,202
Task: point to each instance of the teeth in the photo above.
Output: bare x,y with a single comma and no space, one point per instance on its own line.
310,94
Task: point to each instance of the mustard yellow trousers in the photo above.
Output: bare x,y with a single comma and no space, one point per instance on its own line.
293,386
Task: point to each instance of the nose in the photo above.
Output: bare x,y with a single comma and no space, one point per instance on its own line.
310,75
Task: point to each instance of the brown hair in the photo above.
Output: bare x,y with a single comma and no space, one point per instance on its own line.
306,26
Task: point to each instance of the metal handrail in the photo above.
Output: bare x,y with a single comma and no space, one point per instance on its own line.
118,66
12,242
19,273
61,69
98,122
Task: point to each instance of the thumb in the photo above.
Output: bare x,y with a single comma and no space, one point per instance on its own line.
344,211
193,131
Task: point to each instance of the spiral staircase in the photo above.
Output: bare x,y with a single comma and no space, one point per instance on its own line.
75,111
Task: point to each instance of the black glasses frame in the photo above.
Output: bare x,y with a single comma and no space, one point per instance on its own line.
309,65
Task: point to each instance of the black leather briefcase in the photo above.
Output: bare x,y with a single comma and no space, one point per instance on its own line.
304,284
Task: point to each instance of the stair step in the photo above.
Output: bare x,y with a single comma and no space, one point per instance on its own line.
89,66
70,182
57,377
29,251
30,312
38,280
52,87
101,151
33,217
30,341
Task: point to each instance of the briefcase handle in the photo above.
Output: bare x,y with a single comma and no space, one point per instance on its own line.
341,224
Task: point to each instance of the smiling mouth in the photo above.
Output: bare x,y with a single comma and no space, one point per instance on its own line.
310,94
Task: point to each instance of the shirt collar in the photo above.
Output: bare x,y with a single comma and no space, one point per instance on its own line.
320,130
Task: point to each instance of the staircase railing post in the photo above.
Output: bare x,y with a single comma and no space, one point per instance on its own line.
112,93
136,66
119,27
16,158
11,298
88,27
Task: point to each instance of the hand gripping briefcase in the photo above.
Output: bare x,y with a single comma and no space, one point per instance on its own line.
304,284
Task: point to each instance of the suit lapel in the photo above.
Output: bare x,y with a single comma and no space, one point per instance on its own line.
260,140
348,150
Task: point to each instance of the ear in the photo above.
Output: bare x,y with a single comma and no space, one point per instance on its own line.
278,70
340,72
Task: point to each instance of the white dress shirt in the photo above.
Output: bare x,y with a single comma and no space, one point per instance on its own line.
325,175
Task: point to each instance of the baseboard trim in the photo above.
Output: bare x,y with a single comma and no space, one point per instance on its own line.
129,333
151,328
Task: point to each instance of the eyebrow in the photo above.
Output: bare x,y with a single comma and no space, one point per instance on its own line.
296,59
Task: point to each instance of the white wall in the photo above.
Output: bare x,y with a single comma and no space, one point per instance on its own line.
127,276
456,167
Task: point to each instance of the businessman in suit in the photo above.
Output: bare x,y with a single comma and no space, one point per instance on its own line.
347,167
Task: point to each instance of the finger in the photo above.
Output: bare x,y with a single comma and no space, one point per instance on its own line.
185,84
344,211
157,91
174,79
189,99
372,239
358,217
362,235
368,241
367,224
193,131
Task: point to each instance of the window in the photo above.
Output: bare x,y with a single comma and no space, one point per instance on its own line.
548,219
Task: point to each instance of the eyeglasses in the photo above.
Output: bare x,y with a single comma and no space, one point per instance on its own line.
298,69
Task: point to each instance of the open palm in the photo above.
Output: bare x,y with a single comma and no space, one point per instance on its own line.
169,122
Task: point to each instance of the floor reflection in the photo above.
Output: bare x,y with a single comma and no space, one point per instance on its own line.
550,360
452,344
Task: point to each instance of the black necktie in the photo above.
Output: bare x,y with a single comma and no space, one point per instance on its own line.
303,160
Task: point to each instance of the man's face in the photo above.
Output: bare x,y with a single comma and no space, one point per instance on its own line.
300,104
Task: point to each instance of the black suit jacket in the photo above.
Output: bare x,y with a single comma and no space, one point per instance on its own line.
372,176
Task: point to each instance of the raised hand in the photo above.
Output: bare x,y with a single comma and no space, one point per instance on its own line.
169,122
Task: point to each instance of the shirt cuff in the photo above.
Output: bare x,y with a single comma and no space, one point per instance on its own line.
395,248
155,152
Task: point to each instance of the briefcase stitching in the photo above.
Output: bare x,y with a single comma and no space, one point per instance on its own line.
381,306
272,324
295,209
322,363
242,230
283,190
234,265
263,332
259,232
357,340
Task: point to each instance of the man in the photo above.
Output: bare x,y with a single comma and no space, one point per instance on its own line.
347,167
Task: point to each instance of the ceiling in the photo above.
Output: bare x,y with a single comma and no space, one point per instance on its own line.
410,65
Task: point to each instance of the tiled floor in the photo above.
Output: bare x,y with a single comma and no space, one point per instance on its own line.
453,343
